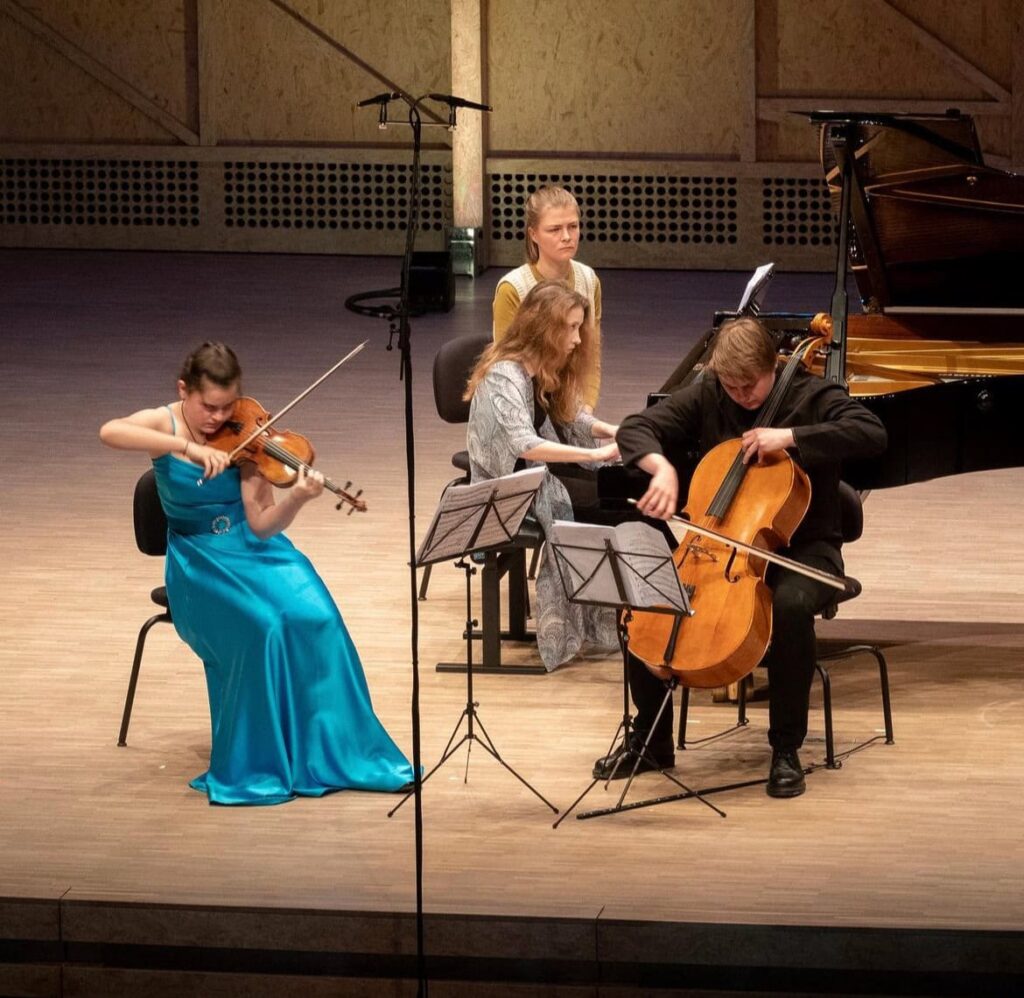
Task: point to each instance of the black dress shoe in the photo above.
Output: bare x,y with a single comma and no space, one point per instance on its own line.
786,778
619,764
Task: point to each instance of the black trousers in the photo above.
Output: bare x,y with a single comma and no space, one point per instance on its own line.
796,601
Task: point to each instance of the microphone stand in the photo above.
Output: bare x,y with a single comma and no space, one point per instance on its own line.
398,320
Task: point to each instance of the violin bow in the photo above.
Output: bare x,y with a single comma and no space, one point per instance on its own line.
835,581
294,402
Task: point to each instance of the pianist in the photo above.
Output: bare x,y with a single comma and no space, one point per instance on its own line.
820,426
526,406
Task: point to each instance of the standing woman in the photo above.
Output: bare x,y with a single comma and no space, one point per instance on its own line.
552,238
289,706
527,407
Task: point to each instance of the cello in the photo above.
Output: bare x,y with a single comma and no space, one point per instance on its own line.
736,516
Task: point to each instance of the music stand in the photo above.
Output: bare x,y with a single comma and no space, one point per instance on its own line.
624,568
474,518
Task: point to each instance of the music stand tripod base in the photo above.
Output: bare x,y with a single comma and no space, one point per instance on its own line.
623,568
470,518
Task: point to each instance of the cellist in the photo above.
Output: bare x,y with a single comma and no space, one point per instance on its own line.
820,426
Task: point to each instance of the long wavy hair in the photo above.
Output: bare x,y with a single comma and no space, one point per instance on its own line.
535,338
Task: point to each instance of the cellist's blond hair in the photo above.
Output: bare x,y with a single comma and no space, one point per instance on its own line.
536,338
743,351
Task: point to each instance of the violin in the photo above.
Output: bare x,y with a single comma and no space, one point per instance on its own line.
740,514
277,454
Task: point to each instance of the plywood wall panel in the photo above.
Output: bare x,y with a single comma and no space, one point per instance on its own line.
144,44
976,30
45,98
638,77
409,41
849,50
275,81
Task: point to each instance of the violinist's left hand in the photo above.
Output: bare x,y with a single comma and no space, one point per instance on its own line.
308,485
764,440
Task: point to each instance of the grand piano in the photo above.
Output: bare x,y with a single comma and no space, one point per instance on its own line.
935,242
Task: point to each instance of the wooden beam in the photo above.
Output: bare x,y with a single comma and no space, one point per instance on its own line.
389,84
954,60
102,74
747,31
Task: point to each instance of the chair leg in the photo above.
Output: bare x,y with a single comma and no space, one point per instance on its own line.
883,678
424,582
684,710
534,562
122,738
826,704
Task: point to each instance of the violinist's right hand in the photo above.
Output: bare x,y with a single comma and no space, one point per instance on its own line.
661,500
213,461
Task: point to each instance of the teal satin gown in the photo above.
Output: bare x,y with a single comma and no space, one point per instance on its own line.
289,706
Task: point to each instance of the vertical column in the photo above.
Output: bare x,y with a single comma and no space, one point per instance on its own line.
1017,90
468,142
206,55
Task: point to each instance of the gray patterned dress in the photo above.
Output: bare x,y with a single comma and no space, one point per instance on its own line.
501,427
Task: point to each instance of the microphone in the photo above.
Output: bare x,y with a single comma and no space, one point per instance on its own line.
384,98
454,102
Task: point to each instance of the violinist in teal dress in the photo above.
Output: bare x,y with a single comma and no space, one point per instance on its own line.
290,710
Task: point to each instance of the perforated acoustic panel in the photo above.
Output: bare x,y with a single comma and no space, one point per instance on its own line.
663,220
627,209
649,215
101,192
797,212
300,203
367,196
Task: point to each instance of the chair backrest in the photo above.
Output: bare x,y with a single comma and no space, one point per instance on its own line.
851,513
150,521
453,364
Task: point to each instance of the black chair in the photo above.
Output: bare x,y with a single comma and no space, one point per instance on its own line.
151,538
852,527
453,364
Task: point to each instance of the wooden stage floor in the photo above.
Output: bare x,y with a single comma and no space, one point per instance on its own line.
898,873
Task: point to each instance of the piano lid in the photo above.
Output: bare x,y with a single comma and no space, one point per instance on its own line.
934,228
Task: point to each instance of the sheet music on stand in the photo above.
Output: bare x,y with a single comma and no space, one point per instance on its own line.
626,565
481,515
754,292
